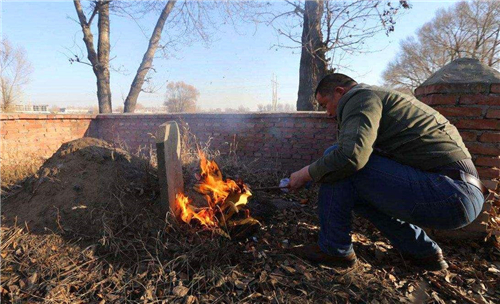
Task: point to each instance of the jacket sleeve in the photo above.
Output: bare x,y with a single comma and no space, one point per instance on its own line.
359,123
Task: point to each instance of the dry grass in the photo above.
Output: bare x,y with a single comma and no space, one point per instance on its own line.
158,260
11,175
181,264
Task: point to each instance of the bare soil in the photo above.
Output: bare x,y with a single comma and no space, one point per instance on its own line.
85,186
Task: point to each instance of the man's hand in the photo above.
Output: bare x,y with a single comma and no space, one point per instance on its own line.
299,179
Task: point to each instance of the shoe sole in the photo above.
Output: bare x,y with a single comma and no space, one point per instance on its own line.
338,264
442,265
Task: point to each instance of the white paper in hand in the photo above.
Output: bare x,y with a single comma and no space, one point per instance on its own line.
283,184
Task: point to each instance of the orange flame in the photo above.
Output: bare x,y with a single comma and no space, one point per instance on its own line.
187,212
220,194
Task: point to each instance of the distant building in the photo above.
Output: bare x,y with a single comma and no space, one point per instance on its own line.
75,110
36,109
145,110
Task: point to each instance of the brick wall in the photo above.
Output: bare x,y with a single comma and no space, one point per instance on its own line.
29,139
475,110
289,139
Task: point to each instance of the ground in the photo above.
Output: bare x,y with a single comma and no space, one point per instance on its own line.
108,242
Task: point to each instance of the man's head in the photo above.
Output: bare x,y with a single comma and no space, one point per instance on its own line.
330,89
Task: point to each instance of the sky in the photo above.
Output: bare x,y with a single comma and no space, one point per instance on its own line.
234,70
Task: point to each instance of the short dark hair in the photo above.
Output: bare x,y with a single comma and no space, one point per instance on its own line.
328,84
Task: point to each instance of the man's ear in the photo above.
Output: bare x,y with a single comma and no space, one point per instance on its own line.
340,90
316,96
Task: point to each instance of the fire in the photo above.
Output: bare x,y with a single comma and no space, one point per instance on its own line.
187,212
224,197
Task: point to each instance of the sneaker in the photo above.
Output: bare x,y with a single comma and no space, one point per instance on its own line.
314,254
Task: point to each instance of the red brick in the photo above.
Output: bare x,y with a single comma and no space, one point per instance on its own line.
490,137
429,89
35,125
460,111
451,88
11,135
483,149
493,113
478,124
488,161
492,185
285,155
468,136
13,126
495,88
440,99
480,99
488,172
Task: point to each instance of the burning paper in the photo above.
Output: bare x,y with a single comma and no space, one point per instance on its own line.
225,199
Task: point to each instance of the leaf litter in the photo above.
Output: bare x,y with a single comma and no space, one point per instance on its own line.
136,256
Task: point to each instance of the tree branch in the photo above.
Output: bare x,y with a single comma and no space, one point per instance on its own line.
96,9
88,38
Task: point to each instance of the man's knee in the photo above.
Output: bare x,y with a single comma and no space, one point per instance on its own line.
330,149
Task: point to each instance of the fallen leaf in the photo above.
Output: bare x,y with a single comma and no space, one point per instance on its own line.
33,278
180,291
308,276
288,269
494,270
449,276
240,285
263,276
190,300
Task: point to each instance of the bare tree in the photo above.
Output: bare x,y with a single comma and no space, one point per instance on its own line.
179,22
312,57
99,60
15,71
240,109
181,97
327,31
147,60
54,109
281,107
467,29
183,20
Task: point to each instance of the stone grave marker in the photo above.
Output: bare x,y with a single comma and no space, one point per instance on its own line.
168,147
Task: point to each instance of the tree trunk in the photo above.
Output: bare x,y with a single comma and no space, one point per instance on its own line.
147,60
491,59
103,83
99,60
312,58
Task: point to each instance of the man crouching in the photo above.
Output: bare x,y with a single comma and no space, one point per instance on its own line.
398,163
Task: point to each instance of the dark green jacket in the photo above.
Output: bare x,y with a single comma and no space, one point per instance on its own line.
393,124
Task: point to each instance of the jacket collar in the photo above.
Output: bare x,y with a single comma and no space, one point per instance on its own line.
344,99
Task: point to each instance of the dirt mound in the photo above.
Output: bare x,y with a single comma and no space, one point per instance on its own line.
89,188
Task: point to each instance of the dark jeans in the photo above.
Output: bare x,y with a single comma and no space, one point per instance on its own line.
397,199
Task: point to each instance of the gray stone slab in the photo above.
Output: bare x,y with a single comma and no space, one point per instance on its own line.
168,147
463,70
